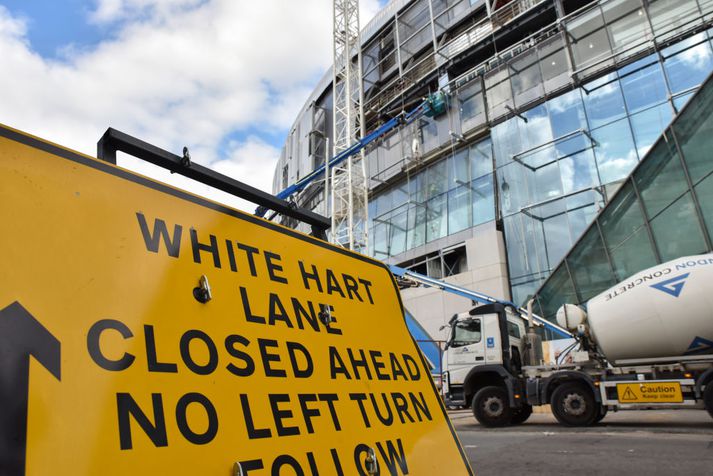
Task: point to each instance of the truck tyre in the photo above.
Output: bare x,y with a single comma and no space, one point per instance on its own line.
491,407
573,405
708,397
601,413
520,415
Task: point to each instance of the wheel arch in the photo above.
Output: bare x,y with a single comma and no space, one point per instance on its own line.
489,375
551,383
704,379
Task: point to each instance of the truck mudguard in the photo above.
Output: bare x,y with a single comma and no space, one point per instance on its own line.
511,383
565,375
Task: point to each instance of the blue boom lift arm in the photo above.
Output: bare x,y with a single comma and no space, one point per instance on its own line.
473,296
433,105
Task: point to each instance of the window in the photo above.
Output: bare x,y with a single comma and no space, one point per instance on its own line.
615,151
470,99
466,332
285,172
643,88
603,101
513,330
689,68
677,230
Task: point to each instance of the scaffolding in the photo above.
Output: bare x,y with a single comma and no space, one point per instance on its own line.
348,180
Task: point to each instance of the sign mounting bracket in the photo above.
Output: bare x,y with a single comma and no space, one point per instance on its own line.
114,140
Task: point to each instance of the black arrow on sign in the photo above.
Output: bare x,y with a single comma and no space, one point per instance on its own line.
21,335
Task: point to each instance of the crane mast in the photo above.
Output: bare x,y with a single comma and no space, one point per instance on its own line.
349,188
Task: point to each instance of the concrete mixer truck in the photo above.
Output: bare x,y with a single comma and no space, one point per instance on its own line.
645,343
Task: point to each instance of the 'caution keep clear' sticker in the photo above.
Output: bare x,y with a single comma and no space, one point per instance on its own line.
114,360
653,392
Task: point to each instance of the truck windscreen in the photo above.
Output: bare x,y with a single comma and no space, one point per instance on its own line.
466,332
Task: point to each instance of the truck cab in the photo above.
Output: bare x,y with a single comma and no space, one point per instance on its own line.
484,350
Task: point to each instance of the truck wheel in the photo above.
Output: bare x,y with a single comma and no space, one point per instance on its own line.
573,405
520,415
601,414
708,397
491,407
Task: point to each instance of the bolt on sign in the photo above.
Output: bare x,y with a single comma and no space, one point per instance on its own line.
144,330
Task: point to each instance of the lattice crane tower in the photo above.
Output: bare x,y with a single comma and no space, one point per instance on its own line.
348,180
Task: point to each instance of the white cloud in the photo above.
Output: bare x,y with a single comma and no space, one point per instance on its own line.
176,72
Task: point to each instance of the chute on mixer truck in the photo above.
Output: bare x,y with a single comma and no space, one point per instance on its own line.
645,343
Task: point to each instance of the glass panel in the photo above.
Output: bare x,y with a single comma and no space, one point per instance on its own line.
648,126
526,246
470,99
589,266
507,140
689,68
498,91
644,88
459,209
416,234
557,238
694,130
603,101
615,151
566,113
537,128
622,217
578,172
622,226
381,240
466,332
590,40
458,169
483,200
558,290
516,247
670,16
660,179
572,145
437,225
399,224
526,78
628,26
704,192
436,179
547,182
514,187
680,101
677,230
633,255
481,159
417,188
579,219
553,62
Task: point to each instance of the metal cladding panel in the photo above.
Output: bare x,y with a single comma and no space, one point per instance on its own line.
115,360
666,310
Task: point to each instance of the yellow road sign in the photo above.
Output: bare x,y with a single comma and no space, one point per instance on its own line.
649,392
173,335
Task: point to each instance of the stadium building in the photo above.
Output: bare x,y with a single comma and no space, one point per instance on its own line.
551,105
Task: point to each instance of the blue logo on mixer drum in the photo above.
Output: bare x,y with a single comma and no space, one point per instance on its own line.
672,286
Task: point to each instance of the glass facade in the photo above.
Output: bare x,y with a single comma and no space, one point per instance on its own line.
557,163
453,194
539,136
662,211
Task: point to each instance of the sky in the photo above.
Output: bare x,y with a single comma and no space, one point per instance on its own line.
226,78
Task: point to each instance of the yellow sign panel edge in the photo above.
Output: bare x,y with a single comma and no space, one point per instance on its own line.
59,151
